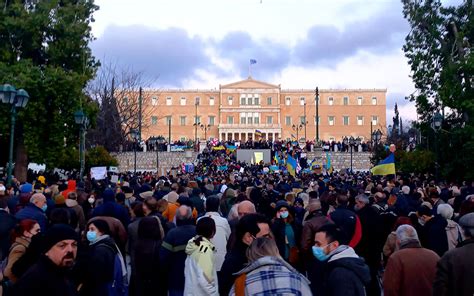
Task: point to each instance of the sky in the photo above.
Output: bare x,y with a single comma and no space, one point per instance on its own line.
190,44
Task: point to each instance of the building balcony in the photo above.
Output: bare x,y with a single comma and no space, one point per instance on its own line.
250,126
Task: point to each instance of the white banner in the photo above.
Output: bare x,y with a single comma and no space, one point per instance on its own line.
99,173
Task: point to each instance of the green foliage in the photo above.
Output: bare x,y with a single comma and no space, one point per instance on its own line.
441,56
99,156
44,48
418,161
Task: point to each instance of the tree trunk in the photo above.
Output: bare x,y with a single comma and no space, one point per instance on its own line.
21,161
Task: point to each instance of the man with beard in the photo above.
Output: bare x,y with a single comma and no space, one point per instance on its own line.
49,276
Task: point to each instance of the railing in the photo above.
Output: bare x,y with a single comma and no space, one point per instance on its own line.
253,125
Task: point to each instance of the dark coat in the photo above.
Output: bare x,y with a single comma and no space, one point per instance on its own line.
235,260
435,235
455,271
100,267
172,255
112,209
44,278
7,222
30,211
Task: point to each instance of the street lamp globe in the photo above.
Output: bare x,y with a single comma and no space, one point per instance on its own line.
134,134
378,135
8,94
79,117
437,120
21,98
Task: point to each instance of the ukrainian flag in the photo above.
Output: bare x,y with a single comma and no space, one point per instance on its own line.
291,165
277,158
329,167
258,133
385,167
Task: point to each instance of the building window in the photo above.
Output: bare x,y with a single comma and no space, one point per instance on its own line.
154,120
256,118
243,101
345,101
182,120
125,101
330,101
345,120
211,101
243,120
230,119
168,120
168,101
230,100
197,119
288,120
250,119
375,120
197,101
374,100
331,120
269,100
256,101
182,101
249,101
360,120
183,139
212,120
269,120
154,101
319,119
302,119
288,101
359,101
302,101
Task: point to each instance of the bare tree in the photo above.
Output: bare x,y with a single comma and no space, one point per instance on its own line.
122,109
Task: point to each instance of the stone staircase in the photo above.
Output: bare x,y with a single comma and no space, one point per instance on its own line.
342,160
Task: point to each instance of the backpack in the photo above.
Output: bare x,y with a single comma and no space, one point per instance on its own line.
119,284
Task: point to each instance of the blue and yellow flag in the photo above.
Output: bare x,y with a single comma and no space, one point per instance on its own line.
277,158
291,165
329,167
258,133
385,167
230,148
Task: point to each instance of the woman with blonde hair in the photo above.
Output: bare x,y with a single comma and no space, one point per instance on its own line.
268,273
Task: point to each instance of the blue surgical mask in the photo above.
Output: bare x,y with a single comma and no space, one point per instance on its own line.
319,254
284,214
91,236
44,208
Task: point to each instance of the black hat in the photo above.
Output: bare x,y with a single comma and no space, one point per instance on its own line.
57,233
280,204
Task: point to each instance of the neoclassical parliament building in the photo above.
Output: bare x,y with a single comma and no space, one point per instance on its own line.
239,110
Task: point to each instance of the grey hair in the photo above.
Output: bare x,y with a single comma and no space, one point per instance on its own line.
445,210
406,233
362,198
261,247
37,196
189,213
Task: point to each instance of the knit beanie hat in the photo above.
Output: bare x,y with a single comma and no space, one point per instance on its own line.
57,233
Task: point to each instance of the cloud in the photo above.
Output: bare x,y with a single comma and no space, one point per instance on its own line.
240,47
169,55
327,44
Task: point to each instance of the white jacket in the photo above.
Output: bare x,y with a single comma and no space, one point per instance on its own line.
220,238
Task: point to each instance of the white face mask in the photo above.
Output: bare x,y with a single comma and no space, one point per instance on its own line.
91,200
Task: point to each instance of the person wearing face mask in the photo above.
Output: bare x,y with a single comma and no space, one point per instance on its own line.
287,233
345,272
106,272
35,210
21,235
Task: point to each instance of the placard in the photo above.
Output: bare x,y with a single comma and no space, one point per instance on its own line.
99,173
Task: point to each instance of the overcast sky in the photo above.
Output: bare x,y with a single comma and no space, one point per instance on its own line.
297,43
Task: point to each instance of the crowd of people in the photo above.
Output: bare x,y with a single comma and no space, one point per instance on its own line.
239,231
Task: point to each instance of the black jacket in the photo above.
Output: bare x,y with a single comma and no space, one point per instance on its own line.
44,278
235,260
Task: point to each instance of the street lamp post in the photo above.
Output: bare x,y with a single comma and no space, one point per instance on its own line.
436,124
205,128
305,122
81,119
157,141
351,142
317,115
17,99
297,128
135,136
376,136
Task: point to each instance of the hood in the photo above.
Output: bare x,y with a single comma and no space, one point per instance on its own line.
451,225
347,258
205,262
71,185
71,203
191,247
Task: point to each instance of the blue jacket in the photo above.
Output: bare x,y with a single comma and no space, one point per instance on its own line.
112,209
30,211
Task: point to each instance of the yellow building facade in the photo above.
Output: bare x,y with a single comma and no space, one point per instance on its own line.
236,111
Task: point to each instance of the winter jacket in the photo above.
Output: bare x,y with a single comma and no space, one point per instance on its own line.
410,271
44,278
30,211
199,270
435,235
112,209
235,260
454,234
273,276
117,231
17,250
71,187
455,272
220,238
345,273
81,219
172,255
7,223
